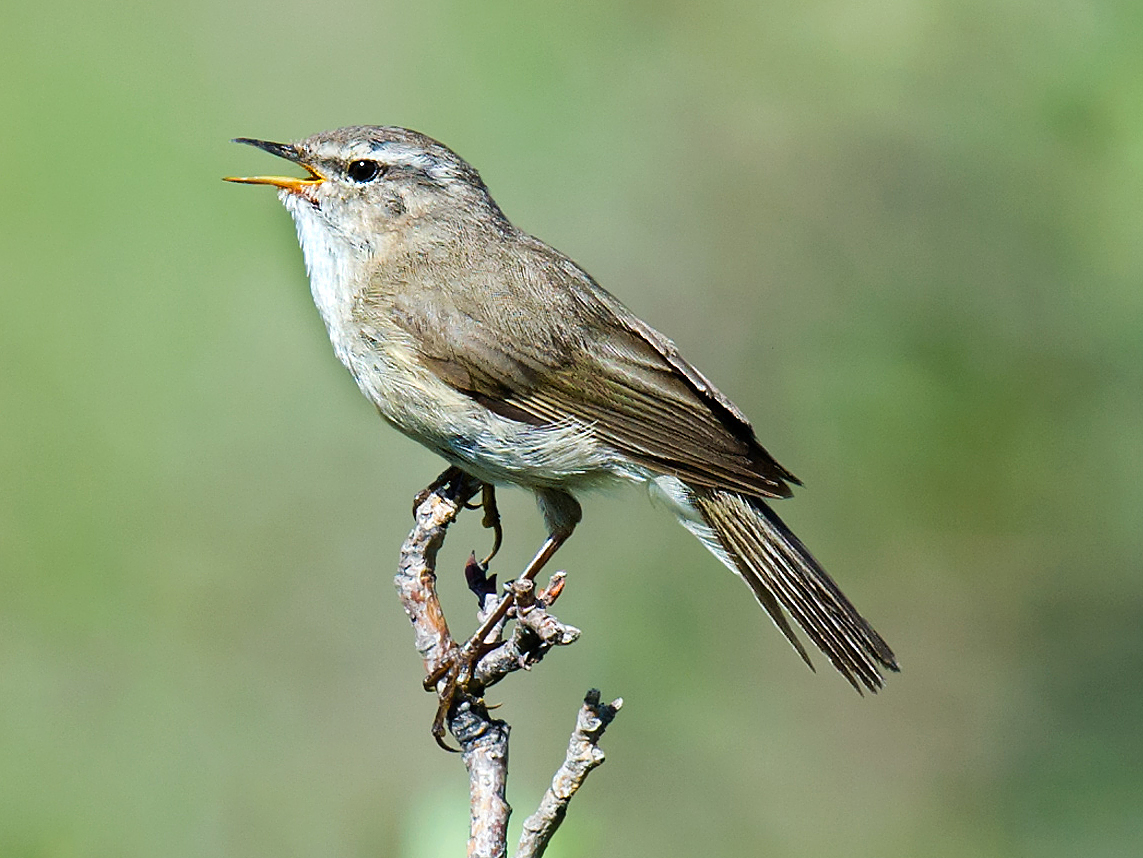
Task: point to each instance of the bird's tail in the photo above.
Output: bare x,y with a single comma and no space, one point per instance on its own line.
746,535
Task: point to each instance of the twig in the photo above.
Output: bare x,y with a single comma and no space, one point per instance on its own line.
584,754
535,633
416,576
483,740
484,747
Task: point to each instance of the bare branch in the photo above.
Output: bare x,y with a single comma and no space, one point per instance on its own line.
416,576
483,740
535,633
584,754
484,746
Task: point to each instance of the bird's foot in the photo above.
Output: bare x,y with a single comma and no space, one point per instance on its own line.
447,476
491,520
454,679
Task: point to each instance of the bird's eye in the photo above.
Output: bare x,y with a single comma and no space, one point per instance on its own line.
364,171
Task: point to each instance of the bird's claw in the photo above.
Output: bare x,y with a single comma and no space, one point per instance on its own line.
457,670
446,477
491,521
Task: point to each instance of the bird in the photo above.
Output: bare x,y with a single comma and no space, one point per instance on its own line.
503,356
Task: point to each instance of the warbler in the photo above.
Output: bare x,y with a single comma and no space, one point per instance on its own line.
507,359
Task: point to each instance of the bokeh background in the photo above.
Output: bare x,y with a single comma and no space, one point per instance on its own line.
904,236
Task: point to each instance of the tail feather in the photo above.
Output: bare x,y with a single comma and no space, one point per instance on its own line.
784,575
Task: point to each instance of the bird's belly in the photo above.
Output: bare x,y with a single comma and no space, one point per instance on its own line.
493,448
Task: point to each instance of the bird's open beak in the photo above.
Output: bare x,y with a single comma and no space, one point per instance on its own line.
289,183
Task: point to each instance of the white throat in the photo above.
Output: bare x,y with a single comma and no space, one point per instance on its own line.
330,263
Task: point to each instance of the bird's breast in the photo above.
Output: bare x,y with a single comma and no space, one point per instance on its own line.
412,398
384,360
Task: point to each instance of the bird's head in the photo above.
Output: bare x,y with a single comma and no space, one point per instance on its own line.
368,182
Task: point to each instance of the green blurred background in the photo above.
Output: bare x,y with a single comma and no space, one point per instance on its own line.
904,236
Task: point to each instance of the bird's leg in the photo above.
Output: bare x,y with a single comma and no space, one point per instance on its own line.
561,514
478,644
550,546
459,665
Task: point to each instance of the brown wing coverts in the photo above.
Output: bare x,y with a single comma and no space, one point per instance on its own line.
581,355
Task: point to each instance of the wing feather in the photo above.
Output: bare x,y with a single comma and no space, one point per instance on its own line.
531,337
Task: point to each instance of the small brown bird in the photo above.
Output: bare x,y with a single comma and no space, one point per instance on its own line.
503,356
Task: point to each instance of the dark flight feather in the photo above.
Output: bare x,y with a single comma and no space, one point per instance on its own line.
782,572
